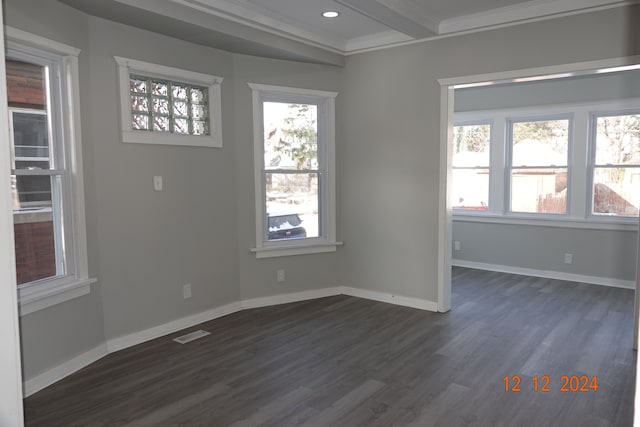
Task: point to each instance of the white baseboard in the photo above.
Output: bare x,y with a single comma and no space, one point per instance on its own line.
57,373
292,297
51,376
422,304
547,274
136,338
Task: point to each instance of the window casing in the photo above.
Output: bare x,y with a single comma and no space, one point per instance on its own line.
294,160
59,164
576,192
615,163
168,106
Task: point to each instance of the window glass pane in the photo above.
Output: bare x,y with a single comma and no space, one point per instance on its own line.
470,189
161,123
140,122
31,191
198,112
200,128
539,190
197,95
181,126
30,141
159,88
290,136
34,227
615,191
180,109
618,140
292,205
471,145
139,103
138,85
179,91
540,143
171,106
161,106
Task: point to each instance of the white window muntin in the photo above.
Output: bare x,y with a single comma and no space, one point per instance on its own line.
325,101
63,105
128,67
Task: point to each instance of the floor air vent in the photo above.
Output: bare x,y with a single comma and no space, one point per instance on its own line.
192,336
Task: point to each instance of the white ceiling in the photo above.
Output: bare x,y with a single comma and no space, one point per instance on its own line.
252,26
365,24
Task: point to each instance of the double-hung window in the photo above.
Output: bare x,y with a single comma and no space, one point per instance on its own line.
615,167
294,170
557,164
471,166
46,163
539,165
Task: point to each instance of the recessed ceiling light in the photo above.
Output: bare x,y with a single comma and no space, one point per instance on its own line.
330,14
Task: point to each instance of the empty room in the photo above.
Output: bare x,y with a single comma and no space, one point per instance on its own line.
328,213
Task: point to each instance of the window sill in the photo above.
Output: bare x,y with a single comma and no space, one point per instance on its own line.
162,138
549,221
298,249
39,296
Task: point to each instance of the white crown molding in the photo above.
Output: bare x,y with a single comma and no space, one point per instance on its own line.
379,40
532,10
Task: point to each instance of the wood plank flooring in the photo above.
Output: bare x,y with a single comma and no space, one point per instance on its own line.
344,361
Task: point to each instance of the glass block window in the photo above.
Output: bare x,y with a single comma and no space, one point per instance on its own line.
167,106
162,105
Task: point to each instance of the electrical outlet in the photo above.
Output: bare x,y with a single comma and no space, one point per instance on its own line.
280,275
186,291
456,245
568,258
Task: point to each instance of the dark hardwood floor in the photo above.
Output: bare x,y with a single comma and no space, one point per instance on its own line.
344,361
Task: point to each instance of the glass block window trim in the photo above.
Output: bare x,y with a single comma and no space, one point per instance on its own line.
161,105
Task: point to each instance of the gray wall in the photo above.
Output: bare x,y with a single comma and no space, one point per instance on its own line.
600,253
151,243
144,245
57,334
302,272
390,160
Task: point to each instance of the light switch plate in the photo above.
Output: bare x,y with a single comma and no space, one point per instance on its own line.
157,183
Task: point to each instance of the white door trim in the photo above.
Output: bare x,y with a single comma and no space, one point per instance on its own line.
447,86
11,411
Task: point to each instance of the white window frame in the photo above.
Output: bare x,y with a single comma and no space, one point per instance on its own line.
490,197
128,67
581,146
593,134
509,163
325,101
65,100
